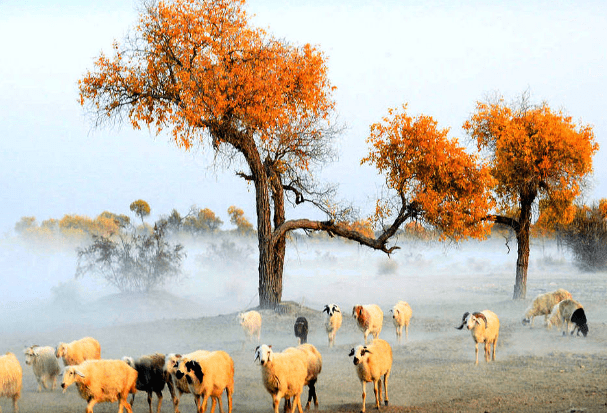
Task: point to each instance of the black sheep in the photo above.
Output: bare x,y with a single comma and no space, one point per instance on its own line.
301,330
151,377
579,319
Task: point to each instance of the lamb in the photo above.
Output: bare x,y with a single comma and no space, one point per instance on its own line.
208,376
372,362
543,304
401,316
101,381
301,330
181,384
11,378
77,351
251,324
151,377
314,363
332,321
369,318
45,365
569,311
485,328
283,374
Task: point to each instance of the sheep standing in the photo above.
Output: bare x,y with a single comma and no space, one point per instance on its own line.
370,319
208,376
485,328
100,381
283,375
181,383
372,362
314,363
151,377
77,351
301,330
401,316
11,378
569,311
543,304
251,324
332,321
45,365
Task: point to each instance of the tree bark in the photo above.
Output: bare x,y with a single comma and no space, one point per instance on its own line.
522,239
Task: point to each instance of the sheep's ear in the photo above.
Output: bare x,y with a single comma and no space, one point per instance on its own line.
351,352
326,310
336,309
78,372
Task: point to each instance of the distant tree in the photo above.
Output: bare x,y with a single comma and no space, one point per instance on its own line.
140,208
586,236
537,156
130,261
24,224
201,221
120,219
174,221
243,226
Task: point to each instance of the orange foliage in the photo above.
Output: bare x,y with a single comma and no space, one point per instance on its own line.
197,66
433,173
237,218
535,151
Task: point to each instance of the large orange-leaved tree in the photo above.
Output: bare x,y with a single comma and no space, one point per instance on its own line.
539,159
199,69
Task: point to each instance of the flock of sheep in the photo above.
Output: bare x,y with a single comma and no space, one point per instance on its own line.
207,374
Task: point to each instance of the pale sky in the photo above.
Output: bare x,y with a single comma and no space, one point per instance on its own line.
440,57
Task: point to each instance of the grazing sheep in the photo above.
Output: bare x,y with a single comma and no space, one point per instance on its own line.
543,304
77,351
251,324
151,377
332,321
401,316
372,362
100,381
11,377
45,365
283,375
314,363
301,330
181,384
569,311
208,376
369,318
485,328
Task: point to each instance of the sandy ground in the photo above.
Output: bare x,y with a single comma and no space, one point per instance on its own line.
536,370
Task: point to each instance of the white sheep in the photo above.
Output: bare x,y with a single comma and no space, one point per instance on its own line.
251,324
100,381
543,304
77,351
181,384
11,378
208,376
372,362
485,328
151,377
283,375
332,321
314,363
370,319
401,316
45,365
569,311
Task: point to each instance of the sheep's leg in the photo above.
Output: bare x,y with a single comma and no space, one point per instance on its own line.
476,352
366,333
92,402
386,386
407,331
229,396
494,347
276,401
15,405
149,400
159,394
54,386
376,390
364,395
297,403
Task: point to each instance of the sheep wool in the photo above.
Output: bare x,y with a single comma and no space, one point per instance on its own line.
251,324
401,316
283,374
11,378
181,383
369,318
543,305
45,365
313,360
208,376
77,351
332,321
151,377
566,312
371,363
100,381
485,328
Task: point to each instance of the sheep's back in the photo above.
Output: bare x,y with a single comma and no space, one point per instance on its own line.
378,361
105,380
218,368
286,372
11,376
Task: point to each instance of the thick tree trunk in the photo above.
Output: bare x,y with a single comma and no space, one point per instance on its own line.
522,239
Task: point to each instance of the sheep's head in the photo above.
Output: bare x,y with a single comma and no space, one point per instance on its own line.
70,375
193,366
61,350
263,353
331,309
357,311
129,360
464,320
395,312
172,362
30,354
359,354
